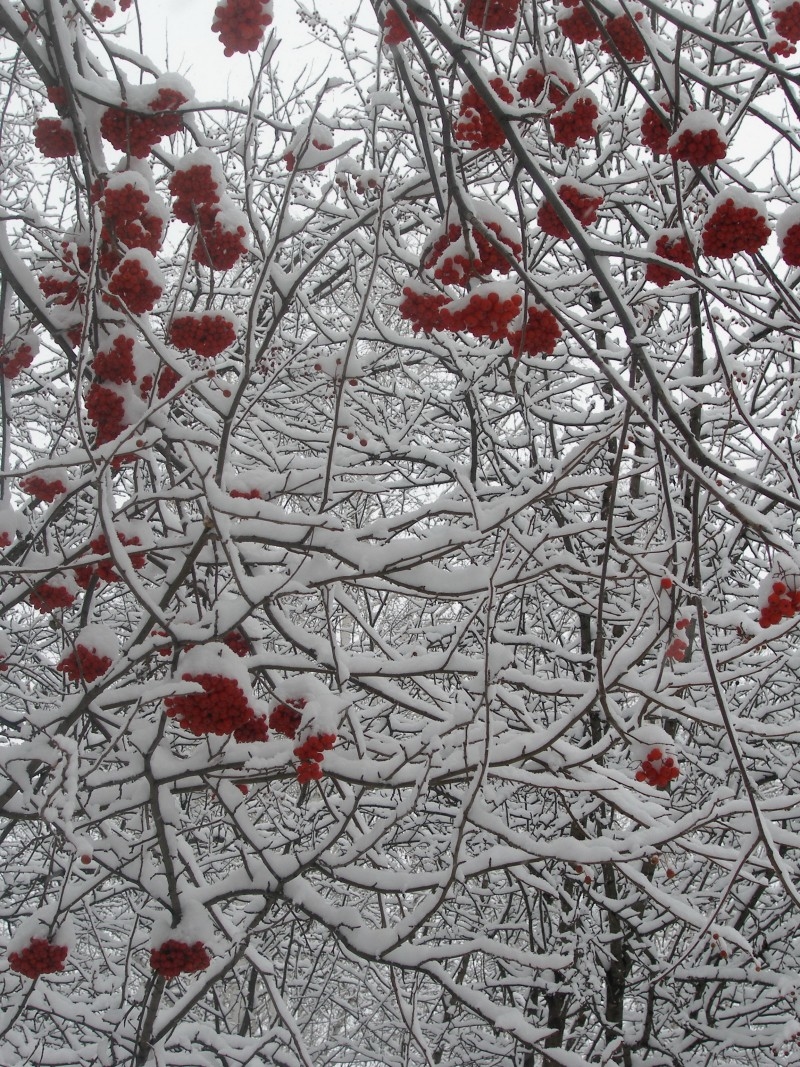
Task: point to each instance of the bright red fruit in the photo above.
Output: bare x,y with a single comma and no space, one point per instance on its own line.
576,22
115,362
206,334
221,708
476,124
736,223
177,957
676,650
655,131
782,603
672,245
538,334
788,234
84,664
134,283
54,138
422,308
240,24
254,730
101,12
106,411
484,312
582,201
551,73
493,14
459,255
699,140
625,36
40,956
221,242
136,132
658,770
576,120
787,19
41,489
311,754
15,359
285,718
50,596
394,29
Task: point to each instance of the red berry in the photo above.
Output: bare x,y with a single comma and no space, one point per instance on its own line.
422,308
16,358
54,138
240,24
40,956
493,14
655,130
41,488
177,957
476,122
204,333
539,333
736,223
581,201
285,718
221,708
622,32
136,283
483,312
101,12
576,120
666,583
50,596
394,29
83,664
787,19
576,22
698,140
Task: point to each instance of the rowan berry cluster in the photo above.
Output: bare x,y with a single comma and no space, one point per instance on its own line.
621,31
57,95
54,138
50,596
576,22
316,142
787,20
493,14
177,957
700,147
14,361
203,333
136,133
101,12
237,643
780,47
395,30
42,489
285,718
104,568
132,283
84,664
483,313
669,246
539,334
246,494
658,770
193,187
253,730
106,411
473,254
582,203
576,120
115,363
221,708
63,287
220,242
676,650
734,227
311,754
422,309
476,124
782,603
39,956
240,24
655,130
789,240
534,81
127,222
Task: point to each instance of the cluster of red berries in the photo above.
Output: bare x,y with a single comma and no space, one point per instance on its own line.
84,664
540,333
254,729
655,130
135,133
576,120
311,754
422,309
127,222
576,22
240,24
789,242
177,957
285,718
483,313
41,489
54,138
581,203
782,603
167,380
115,363
493,14
787,20
246,494
734,227
700,147
676,650
104,568
476,124
50,596
621,32
669,246
193,187
106,411
395,30
478,257
39,956
57,95
533,83
63,287
316,142
221,708
237,643
132,283
657,770
14,361
203,333
101,12
220,243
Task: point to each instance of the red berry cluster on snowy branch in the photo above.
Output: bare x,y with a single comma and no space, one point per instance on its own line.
104,568
493,14
115,362
476,123
782,603
484,313
658,770
285,718
221,241
39,956
51,595
221,708
240,24
254,729
788,232
102,12
459,255
105,409
177,957
676,650
15,359
576,120
136,281
42,489
54,138
673,246
395,30
84,664
205,334
534,80
576,22
310,755
655,130
699,140
127,222
136,132
582,202
735,224
422,308
193,187
200,200
787,20
621,32
318,143
539,333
